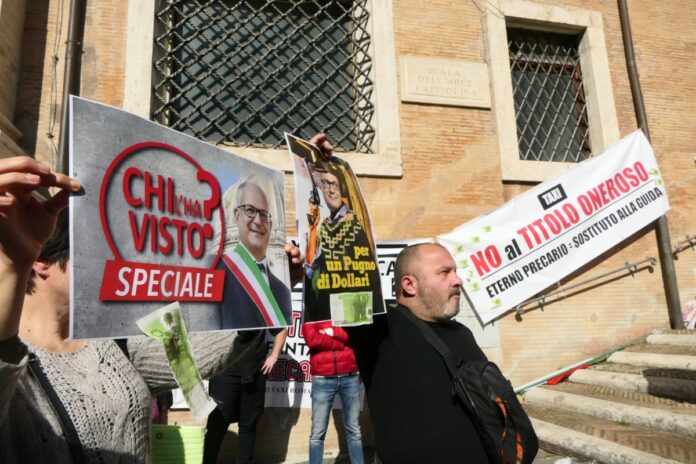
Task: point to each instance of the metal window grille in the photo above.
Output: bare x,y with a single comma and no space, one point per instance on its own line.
241,72
549,96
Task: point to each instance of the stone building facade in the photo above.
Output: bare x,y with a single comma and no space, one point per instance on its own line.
444,152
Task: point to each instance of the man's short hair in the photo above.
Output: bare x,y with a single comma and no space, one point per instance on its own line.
56,250
240,190
330,168
403,265
407,263
334,169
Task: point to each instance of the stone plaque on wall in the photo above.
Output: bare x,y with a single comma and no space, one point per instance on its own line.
444,82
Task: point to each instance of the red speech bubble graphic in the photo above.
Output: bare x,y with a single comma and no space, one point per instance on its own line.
178,226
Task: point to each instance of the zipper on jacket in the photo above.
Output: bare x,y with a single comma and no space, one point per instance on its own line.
335,364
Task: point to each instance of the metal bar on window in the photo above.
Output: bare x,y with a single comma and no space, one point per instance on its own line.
549,96
242,72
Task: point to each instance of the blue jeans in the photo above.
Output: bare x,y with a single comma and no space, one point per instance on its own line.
324,390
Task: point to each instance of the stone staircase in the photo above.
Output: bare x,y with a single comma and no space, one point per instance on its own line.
637,407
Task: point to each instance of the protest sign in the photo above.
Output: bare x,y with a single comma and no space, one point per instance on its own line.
289,384
548,232
165,217
341,280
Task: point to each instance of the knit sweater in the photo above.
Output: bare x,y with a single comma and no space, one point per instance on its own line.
106,395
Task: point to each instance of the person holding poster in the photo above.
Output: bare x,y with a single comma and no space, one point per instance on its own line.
253,296
406,381
62,400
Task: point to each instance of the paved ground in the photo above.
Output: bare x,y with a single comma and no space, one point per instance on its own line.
547,458
542,458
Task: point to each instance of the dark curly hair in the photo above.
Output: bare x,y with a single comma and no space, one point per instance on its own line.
56,250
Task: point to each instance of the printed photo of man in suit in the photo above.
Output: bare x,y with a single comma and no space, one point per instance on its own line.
253,297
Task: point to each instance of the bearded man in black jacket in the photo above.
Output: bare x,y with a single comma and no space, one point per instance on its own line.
407,382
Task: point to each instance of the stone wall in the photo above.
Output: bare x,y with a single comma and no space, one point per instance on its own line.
11,25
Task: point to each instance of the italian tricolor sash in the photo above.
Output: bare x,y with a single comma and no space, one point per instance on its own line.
245,269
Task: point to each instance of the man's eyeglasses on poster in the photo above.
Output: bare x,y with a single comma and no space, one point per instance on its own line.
252,211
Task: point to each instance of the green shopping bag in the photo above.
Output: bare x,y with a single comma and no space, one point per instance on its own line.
177,444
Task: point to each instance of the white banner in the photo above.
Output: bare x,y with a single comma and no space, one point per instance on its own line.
541,236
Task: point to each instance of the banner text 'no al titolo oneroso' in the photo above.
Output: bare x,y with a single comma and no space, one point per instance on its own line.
548,232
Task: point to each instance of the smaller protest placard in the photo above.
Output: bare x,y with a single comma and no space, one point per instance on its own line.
166,217
342,281
541,236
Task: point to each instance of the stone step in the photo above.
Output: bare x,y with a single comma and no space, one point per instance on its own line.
684,350
646,371
675,331
633,382
655,360
639,406
633,408
603,451
656,384
672,339
626,397
599,436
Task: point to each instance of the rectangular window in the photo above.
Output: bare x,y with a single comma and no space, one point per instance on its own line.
549,97
241,72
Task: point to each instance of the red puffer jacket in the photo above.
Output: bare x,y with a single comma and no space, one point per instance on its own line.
329,355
